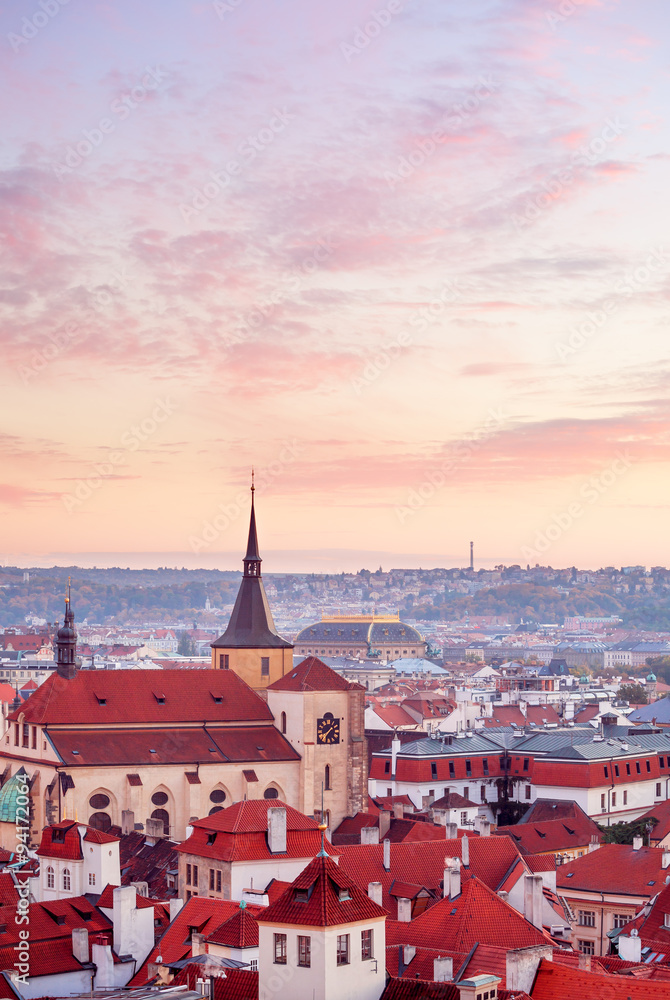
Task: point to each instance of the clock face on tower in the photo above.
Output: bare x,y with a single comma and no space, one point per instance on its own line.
328,729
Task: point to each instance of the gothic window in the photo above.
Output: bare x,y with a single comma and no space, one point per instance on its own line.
51,880
100,821
67,880
327,778
283,722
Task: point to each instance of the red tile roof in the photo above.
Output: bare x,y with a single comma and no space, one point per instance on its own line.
394,716
324,884
660,812
490,860
478,915
542,809
238,984
238,931
505,716
199,912
540,714
556,982
313,675
113,697
453,801
553,834
349,830
614,868
251,816
650,924
416,989
406,831
171,745
540,863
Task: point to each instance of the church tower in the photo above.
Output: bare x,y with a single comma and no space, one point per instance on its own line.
66,643
251,645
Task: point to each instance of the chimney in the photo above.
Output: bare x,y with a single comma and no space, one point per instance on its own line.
80,944
395,750
453,874
142,888
404,910
102,958
387,855
277,829
443,970
533,898
521,966
503,894
384,822
408,953
198,944
637,843
483,826
127,821
175,906
370,835
665,859
465,852
154,831
451,830
584,962
398,810
375,892
630,947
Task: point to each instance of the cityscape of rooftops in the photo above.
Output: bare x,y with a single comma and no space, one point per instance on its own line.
334,564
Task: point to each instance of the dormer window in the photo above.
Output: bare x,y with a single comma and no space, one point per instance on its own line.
211,837
343,893
301,895
58,836
160,698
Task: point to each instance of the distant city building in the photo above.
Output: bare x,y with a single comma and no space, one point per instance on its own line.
381,636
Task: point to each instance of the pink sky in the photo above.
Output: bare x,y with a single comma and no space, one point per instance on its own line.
408,260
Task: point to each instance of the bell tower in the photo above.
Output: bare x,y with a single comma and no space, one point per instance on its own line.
67,662
251,645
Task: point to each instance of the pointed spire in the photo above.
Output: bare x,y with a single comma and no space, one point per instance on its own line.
252,560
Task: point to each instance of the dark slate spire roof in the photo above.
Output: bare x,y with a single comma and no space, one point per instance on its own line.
251,624
67,661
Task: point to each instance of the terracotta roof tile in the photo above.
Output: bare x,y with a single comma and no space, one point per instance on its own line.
556,982
238,931
614,868
313,675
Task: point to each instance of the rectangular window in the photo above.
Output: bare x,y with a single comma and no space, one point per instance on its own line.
620,919
637,767
265,666
468,768
343,949
280,949
16,734
602,802
658,789
34,737
528,788
526,763
464,818
625,798
616,770
587,947
195,874
648,763
211,879
26,735
613,798
91,878
606,774
485,765
366,945
387,767
452,772
433,769
587,918
224,661
627,768
304,951
218,880
483,792
661,761
188,874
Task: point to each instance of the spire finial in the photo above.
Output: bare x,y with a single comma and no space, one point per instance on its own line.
253,487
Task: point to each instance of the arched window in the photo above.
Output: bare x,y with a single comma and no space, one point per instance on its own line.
67,881
51,880
215,809
270,793
327,778
100,821
283,722
165,816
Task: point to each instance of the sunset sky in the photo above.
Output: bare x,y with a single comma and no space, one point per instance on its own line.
411,260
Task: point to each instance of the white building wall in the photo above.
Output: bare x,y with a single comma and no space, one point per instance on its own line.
257,874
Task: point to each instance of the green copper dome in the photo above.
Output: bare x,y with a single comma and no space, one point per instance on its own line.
9,794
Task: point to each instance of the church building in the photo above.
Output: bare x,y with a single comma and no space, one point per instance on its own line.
122,749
